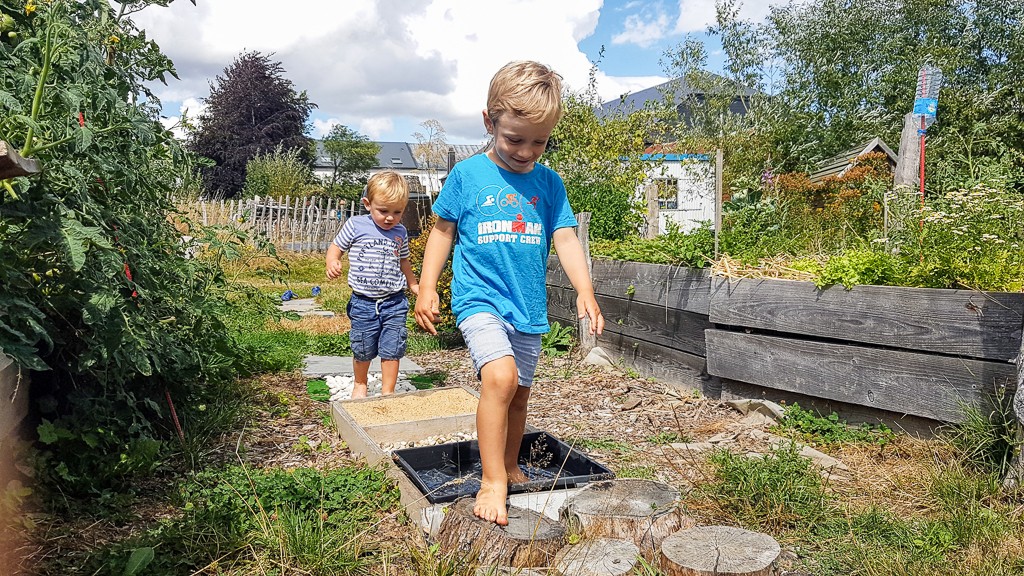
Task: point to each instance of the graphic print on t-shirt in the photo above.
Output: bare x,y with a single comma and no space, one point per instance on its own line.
513,219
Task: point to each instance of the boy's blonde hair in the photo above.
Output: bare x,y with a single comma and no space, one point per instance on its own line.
528,89
388,187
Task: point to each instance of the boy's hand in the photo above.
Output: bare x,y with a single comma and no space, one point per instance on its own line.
427,311
333,269
415,289
587,306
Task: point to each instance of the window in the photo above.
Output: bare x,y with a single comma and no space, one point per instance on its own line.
396,160
668,193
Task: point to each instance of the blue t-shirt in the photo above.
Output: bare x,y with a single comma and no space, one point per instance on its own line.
504,222
374,256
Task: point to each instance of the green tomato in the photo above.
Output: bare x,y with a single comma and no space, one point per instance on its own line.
6,23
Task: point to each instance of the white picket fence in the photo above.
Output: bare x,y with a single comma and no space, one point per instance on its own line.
305,224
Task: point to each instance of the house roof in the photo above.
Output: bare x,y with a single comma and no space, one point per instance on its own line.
840,163
678,87
395,156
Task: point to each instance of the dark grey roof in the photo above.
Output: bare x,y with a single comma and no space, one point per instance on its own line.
840,163
677,87
395,156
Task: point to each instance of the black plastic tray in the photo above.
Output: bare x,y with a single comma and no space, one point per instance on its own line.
446,472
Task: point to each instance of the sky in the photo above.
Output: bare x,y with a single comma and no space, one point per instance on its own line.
384,67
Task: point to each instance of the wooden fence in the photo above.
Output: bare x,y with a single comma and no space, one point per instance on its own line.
921,352
305,224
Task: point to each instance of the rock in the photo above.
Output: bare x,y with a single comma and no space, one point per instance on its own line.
766,407
692,446
821,459
598,357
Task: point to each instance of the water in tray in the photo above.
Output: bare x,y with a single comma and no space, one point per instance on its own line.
455,480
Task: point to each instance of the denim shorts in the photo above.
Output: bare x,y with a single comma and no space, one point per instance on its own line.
489,338
378,326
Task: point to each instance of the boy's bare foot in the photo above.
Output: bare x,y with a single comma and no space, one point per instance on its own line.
359,390
490,503
516,476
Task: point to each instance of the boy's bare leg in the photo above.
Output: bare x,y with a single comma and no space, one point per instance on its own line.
514,436
498,387
388,376
362,372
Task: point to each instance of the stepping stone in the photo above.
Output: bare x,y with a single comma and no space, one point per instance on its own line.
321,366
305,307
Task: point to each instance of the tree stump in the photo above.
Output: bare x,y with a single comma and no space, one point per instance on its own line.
596,557
718,551
644,512
529,540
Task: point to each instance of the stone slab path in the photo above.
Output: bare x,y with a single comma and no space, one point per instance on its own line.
305,307
321,366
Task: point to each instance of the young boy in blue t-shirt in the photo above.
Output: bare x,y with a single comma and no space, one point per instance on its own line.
378,273
506,211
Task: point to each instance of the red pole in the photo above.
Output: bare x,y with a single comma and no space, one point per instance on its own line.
921,132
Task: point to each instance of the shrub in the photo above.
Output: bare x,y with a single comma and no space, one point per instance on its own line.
277,174
444,283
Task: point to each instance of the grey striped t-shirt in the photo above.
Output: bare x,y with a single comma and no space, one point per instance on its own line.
374,256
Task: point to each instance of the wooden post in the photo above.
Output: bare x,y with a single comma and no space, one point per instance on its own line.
302,225
653,223
908,157
1015,475
718,197
587,340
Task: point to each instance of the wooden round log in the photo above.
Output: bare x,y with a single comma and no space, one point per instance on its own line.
596,557
718,551
529,540
641,511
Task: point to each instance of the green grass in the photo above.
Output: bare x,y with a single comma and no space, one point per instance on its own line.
603,444
301,521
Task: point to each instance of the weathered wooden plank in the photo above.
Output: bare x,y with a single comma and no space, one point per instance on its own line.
957,322
665,364
13,164
926,385
666,326
851,413
687,289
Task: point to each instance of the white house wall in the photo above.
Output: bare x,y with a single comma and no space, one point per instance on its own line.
696,191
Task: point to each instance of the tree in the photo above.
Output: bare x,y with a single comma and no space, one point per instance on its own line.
831,74
599,160
351,155
251,109
431,151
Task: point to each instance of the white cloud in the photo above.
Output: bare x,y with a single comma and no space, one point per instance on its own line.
644,31
376,64
697,15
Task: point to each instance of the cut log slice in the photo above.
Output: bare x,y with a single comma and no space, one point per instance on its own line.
596,557
529,540
718,551
644,512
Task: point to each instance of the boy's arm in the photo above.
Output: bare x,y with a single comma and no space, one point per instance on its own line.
333,261
439,245
410,276
574,263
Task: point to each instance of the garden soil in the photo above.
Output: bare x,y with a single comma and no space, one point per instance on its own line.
624,421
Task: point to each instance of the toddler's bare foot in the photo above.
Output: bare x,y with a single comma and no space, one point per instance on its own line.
490,503
516,476
359,390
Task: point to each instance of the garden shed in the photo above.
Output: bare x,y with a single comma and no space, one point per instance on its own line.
841,163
